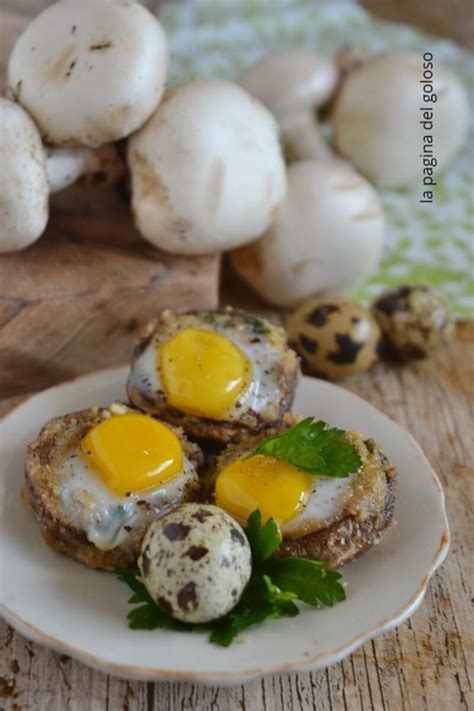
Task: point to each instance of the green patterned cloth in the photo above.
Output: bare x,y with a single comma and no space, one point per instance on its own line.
429,244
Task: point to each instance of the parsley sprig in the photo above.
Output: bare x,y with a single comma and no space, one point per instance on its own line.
271,592
313,447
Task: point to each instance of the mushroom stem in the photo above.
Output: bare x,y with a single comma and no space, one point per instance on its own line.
293,84
64,166
302,138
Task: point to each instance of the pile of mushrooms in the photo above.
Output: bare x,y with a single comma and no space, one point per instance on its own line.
205,158
87,74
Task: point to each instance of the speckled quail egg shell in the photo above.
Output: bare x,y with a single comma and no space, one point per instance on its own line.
262,397
415,320
335,338
195,562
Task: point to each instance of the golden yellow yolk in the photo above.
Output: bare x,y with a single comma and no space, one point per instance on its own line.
132,452
203,373
276,488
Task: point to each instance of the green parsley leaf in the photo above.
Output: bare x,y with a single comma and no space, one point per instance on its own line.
261,600
127,577
312,447
148,616
264,540
309,580
258,325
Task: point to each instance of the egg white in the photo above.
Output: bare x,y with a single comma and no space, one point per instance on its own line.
103,514
324,505
263,394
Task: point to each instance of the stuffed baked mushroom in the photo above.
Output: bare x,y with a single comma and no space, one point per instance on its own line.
97,478
220,375
329,518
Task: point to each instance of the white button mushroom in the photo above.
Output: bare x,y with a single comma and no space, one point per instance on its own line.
292,84
327,237
377,118
24,188
195,562
89,71
207,171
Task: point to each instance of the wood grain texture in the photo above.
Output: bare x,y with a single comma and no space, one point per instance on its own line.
72,301
424,665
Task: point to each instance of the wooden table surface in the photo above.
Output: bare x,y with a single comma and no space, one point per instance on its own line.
426,662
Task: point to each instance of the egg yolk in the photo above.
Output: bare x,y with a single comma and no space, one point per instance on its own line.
203,373
132,453
279,490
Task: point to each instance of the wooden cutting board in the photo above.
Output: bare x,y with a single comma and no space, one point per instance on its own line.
73,301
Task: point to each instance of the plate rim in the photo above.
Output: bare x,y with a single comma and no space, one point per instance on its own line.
228,678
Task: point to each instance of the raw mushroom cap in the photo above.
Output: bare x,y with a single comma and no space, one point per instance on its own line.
376,119
292,84
24,190
291,81
89,72
327,237
207,170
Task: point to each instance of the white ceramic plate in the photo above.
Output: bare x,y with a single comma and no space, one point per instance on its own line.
58,602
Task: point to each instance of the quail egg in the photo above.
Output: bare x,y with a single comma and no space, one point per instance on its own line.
414,320
195,562
219,375
335,338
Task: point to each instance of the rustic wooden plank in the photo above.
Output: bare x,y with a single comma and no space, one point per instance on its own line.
424,665
73,301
